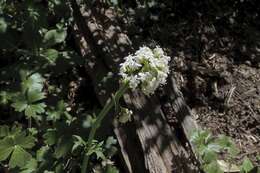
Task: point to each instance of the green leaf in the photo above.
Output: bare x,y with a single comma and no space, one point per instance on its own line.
258,157
246,166
57,112
51,55
111,169
114,2
5,152
209,156
19,157
96,148
110,141
13,145
25,141
54,36
4,131
125,115
33,110
212,167
41,153
200,137
78,142
19,106
34,96
3,25
89,121
226,143
30,167
5,97
32,82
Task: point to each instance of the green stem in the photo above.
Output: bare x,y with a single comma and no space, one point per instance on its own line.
109,104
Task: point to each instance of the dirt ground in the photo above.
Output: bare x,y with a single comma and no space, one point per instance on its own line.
216,62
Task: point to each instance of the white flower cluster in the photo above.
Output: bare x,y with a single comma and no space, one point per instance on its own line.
146,69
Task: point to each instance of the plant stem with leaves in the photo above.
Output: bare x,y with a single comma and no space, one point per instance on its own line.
108,106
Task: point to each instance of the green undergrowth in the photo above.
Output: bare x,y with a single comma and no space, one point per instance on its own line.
218,154
40,129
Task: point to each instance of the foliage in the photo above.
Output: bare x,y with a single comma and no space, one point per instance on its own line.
209,148
48,135
13,145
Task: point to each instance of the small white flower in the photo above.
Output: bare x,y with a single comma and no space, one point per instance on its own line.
146,69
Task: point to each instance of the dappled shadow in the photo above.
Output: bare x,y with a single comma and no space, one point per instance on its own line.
105,46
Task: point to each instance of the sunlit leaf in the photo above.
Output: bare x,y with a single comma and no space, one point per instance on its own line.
32,82
51,55
246,166
34,96
19,106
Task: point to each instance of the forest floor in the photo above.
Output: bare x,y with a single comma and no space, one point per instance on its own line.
216,63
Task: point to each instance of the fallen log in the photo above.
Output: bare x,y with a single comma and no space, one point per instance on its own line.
149,143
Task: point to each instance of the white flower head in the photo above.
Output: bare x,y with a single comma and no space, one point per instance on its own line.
147,69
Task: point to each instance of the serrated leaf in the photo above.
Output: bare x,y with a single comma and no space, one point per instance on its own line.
32,82
97,149
200,137
30,166
53,116
19,157
5,152
78,142
212,167
33,110
34,96
7,142
24,141
209,156
19,106
13,145
58,112
54,36
16,129
246,166
51,55
226,143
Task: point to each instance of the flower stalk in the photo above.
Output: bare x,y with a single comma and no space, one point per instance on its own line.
108,106
147,69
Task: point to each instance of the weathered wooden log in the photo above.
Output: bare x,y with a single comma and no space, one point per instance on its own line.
148,144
